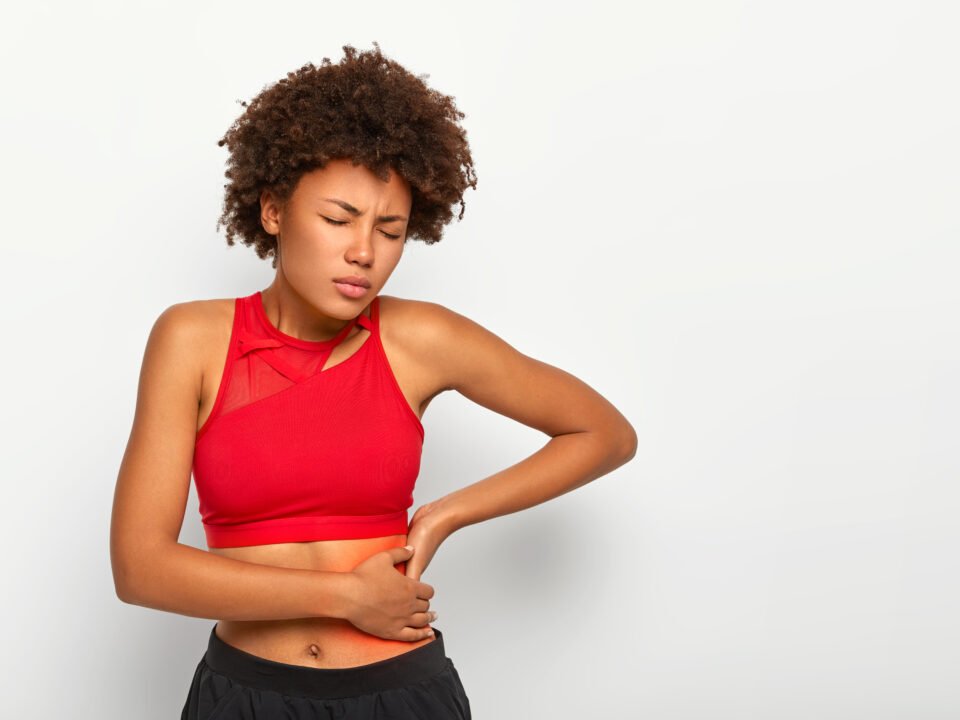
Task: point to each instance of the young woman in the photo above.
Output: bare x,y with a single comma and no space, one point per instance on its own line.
298,409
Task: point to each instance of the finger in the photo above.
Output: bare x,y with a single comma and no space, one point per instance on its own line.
421,619
399,554
425,591
413,634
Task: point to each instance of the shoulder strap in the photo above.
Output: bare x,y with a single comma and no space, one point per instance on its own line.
371,323
236,329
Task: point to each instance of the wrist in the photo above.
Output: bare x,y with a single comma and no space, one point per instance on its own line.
440,516
336,595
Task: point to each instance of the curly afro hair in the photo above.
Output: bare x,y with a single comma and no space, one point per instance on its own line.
368,108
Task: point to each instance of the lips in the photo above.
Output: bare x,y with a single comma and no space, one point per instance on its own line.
353,280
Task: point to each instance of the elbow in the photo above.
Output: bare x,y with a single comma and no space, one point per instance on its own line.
122,565
124,595
139,571
136,562
124,584
132,575
627,444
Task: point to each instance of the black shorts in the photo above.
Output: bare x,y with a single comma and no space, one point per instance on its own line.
230,684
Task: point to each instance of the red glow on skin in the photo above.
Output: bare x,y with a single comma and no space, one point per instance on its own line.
343,644
326,642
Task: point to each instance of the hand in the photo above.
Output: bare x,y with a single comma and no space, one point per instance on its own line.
386,603
425,532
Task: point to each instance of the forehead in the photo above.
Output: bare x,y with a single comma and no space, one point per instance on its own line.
341,176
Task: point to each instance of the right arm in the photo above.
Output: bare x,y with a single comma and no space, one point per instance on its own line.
153,569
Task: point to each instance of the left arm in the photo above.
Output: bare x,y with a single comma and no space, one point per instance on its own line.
589,437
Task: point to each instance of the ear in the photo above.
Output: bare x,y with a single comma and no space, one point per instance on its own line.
270,211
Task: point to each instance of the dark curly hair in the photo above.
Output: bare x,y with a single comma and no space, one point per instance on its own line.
368,108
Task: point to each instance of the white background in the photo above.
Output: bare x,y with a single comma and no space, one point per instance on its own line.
736,220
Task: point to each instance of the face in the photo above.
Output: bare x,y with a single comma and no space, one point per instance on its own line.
341,221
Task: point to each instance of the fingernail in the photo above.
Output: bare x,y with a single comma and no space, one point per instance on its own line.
408,547
433,616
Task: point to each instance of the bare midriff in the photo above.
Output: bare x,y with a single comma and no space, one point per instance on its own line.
317,642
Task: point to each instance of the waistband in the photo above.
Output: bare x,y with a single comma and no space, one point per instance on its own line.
324,683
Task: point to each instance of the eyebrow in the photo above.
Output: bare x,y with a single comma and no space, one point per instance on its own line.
353,211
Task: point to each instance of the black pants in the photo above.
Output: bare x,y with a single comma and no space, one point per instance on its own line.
230,684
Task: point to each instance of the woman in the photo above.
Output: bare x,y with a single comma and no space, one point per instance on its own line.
298,408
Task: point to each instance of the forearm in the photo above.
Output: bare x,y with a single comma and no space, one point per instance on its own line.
188,581
565,463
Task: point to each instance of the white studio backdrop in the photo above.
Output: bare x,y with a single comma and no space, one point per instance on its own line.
736,220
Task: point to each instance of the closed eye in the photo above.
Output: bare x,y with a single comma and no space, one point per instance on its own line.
344,222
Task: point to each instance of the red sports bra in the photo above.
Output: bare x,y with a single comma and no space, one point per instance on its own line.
292,452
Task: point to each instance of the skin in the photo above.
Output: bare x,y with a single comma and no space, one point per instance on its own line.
372,611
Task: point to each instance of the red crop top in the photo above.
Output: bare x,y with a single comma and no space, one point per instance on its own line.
292,452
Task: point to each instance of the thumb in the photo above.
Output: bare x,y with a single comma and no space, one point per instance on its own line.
399,554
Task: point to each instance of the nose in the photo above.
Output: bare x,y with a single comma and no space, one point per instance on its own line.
360,249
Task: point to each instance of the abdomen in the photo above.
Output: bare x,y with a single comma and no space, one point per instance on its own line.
318,642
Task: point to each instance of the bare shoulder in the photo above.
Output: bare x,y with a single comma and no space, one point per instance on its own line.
406,327
196,318
404,319
190,335
440,339
193,323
